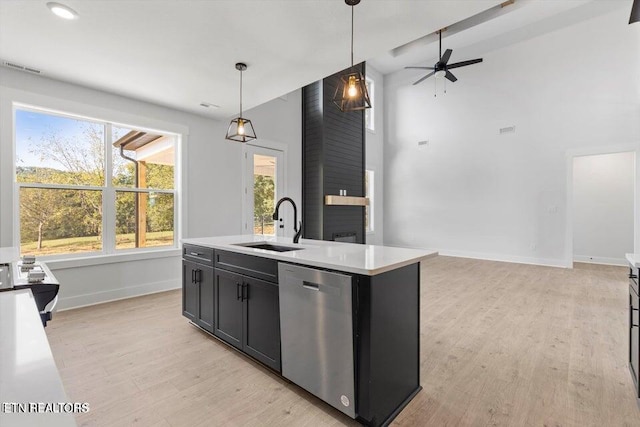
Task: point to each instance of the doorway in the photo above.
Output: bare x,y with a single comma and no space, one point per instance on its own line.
264,185
603,206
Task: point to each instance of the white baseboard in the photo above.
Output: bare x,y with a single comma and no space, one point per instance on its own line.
505,258
600,260
116,294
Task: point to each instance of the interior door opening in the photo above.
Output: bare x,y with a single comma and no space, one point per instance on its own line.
603,207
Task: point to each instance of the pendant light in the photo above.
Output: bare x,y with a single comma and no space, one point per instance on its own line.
240,129
635,12
351,93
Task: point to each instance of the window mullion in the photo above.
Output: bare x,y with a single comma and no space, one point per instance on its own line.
109,196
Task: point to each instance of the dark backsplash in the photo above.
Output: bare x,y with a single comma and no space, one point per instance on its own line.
333,159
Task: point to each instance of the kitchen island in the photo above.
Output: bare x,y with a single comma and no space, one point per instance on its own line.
340,320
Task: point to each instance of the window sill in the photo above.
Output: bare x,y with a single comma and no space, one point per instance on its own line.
60,264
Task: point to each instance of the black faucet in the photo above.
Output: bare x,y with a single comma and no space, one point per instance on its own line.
297,228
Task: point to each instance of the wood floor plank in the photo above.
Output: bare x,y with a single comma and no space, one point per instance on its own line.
501,345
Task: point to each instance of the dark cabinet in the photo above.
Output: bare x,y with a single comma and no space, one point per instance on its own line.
634,330
190,291
261,315
228,296
248,315
198,291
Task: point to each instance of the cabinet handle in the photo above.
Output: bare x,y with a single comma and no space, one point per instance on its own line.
245,295
238,292
193,276
194,253
198,275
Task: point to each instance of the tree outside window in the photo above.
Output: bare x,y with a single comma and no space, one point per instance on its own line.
65,198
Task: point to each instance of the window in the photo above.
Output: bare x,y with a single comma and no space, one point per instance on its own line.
88,186
368,193
369,112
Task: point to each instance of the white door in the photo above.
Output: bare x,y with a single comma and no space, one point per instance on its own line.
264,186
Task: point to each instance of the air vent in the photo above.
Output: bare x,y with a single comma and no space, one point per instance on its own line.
20,67
510,129
422,143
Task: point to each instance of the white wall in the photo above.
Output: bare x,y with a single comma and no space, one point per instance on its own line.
472,192
278,124
212,179
603,205
374,153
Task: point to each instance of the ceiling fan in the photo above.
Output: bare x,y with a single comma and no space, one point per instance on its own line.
441,68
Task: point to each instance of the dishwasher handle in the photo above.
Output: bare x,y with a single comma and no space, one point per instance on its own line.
310,285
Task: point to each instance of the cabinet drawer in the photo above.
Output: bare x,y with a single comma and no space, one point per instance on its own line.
249,265
633,279
634,338
198,254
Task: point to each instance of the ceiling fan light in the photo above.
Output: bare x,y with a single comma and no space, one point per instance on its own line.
441,73
351,93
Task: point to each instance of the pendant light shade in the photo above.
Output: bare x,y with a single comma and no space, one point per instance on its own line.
351,93
635,12
240,129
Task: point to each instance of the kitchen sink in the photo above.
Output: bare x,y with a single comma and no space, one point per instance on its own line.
268,247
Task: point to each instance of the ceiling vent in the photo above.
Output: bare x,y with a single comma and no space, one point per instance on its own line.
20,67
510,129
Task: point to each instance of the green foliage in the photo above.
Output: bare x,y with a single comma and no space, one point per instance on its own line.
263,195
50,214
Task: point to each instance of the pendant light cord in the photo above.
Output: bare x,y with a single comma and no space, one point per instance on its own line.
351,36
241,93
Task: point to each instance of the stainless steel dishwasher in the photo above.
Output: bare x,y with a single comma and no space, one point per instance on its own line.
317,333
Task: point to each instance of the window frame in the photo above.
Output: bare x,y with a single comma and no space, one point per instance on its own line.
108,191
370,112
369,194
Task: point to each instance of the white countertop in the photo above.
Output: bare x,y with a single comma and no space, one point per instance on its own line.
348,257
634,259
28,372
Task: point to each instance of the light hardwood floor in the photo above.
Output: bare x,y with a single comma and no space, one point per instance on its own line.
501,345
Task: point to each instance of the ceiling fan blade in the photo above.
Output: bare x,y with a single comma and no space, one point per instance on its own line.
425,77
421,68
446,56
464,63
450,76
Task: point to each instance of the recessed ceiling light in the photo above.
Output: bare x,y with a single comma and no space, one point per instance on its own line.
62,10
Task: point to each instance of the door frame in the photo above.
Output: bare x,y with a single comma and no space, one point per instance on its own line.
269,145
594,151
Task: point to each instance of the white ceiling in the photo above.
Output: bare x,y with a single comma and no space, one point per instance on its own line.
476,36
180,53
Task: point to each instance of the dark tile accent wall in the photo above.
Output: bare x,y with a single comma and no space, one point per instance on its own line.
333,159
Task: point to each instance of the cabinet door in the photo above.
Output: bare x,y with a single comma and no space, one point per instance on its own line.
205,279
228,307
190,291
634,337
261,332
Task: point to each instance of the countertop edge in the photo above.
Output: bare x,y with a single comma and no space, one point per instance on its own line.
633,259
305,243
